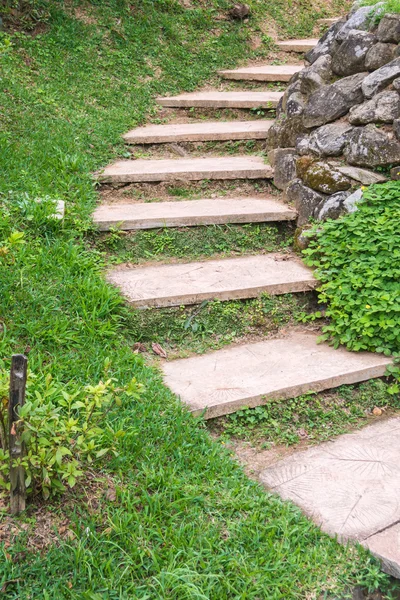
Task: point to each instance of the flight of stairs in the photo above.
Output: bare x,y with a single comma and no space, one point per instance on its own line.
250,374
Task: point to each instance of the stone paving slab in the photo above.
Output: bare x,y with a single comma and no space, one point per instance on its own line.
262,73
148,215
351,486
225,279
239,99
198,132
249,375
297,45
187,169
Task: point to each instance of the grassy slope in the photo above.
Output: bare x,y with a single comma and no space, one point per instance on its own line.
186,523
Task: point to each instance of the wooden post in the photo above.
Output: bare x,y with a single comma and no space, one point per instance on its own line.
19,367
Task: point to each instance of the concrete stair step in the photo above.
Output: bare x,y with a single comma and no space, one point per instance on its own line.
239,99
148,215
224,279
350,486
297,45
187,169
262,73
328,21
199,132
249,375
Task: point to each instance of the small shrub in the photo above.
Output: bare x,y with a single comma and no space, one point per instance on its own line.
64,427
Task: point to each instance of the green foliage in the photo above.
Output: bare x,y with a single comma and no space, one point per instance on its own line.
314,417
357,260
388,6
64,428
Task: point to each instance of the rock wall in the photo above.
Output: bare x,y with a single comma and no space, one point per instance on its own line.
338,123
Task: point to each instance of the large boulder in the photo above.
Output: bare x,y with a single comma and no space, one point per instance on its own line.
329,140
326,44
351,54
371,147
389,29
379,55
379,79
382,108
285,131
332,207
364,176
360,19
284,167
333,101
321,176
304,199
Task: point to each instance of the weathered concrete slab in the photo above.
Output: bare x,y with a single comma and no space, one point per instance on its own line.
189,169
350,487
386,547
249,375
147,215
225,279
239,99
199,132
327,22
297,45
262,73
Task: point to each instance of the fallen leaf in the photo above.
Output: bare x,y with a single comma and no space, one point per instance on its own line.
111,494
302,433
157,349
7,583
377,412
139,347
13,430
69,584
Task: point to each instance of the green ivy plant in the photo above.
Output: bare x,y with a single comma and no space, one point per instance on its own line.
65,429
357,261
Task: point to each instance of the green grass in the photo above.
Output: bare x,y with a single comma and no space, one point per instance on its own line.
312,418
186,523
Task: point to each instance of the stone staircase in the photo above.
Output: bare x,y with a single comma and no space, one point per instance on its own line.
245,375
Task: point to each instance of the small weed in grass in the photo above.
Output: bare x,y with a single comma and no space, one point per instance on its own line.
313,417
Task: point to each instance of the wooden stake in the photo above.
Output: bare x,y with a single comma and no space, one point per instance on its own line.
19,367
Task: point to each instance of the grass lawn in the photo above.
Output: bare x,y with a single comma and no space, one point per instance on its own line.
184,521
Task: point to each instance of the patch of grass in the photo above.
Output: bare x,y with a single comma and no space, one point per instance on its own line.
193,242
312,418
212,325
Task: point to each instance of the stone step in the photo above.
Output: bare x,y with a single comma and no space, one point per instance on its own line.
199,132
297,45
239,99
249,375
328,22
262,73
225,279
187,169
350,487
148,215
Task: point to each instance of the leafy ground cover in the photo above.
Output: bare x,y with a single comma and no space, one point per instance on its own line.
184,521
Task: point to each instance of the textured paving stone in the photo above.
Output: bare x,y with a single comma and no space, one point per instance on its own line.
225,279
386,547
197,132
297,45
239,99
215,211
263,73
351,486
249,375
187,169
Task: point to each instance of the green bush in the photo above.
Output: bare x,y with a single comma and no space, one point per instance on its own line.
64,428
357,260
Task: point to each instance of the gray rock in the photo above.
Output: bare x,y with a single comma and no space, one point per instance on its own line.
389,29
379,79
350,204
327,44
329,140
303,145
316,75
351,54
322,177
285,131
379,55
396,84
331,207
362,175
396,128
284,167
395,173
371,147
360,19
382,108
333,101
305,200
